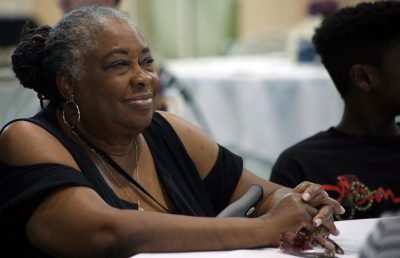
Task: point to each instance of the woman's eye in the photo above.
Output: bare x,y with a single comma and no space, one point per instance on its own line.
147,61
118,63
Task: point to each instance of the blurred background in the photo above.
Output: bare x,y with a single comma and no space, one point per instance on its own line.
243,70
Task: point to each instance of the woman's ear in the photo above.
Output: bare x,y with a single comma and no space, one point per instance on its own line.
65,86
363,77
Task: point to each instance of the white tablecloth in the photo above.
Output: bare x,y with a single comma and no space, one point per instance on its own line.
15,100
257,105
353,235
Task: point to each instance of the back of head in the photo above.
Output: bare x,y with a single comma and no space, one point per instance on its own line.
43,53
357,35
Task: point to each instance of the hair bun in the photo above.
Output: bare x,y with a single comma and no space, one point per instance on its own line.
28,55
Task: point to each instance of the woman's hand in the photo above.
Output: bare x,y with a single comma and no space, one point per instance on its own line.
306,207
316,197
289,214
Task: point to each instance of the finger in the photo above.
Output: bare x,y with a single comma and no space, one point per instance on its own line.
300,188
325,217
305,213
319,218
312,211
310,190
310,223
289,237
337,208
297,242
330,225
324,242
338,249
316,196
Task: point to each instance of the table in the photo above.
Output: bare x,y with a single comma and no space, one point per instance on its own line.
353,235
255,105
15,100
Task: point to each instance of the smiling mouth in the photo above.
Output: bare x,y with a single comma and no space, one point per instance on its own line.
141,102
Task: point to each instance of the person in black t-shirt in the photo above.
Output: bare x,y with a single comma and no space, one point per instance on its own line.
357,161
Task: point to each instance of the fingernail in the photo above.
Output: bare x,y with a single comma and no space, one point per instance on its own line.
318,222
305,196
329,245
342,210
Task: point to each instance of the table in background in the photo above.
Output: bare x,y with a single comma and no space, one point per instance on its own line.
256,106
352,237
15,100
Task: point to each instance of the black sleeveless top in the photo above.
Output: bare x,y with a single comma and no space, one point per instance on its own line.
23,188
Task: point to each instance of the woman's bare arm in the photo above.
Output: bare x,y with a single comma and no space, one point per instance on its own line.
75,222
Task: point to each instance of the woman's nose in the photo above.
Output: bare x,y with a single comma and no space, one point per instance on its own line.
142,77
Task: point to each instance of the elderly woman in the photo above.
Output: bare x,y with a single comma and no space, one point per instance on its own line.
99,173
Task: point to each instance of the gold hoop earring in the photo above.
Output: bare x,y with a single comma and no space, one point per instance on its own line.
74,109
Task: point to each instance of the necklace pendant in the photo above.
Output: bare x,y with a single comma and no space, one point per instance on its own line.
139,206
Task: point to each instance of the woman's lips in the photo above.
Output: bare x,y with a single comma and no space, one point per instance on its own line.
141,102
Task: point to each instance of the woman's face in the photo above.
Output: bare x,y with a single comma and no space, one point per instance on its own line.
119,80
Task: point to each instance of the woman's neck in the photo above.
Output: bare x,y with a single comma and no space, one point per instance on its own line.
112,143
114,146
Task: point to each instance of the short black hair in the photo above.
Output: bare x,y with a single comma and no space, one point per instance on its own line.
361,34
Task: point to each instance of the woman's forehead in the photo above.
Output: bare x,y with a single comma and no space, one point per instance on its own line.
116,33
118,27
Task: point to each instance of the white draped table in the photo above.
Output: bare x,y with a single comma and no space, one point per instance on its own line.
258,105
353,235
15,100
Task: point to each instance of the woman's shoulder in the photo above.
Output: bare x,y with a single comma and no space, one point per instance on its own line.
179,124
26,143
185,130
172,119
200,147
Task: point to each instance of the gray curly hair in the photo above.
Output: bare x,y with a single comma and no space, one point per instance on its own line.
43,53
70,39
